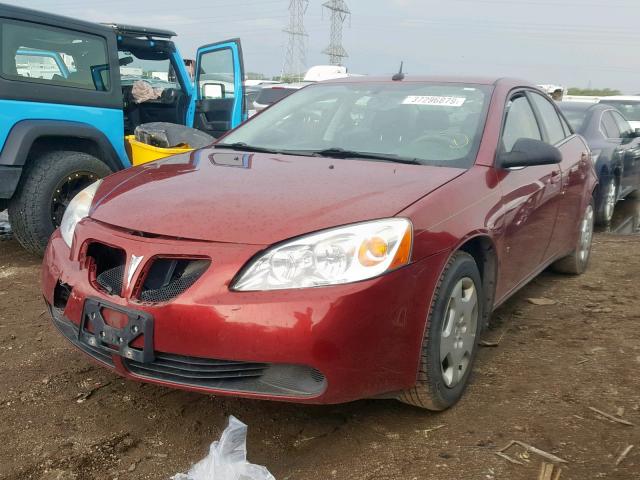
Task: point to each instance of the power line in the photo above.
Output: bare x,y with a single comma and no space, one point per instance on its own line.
339,13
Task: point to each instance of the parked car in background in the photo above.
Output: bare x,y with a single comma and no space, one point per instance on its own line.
272,93
351,241
627,105
68,99
275,92
615,151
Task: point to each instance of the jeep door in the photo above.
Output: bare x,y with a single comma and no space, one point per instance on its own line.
219,90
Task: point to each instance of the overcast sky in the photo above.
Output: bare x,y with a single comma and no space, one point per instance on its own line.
570,42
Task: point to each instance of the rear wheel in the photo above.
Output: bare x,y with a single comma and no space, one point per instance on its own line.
451,338
576,262
607,202
47,186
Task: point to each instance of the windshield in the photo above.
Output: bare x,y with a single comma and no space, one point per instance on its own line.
434,124
628,108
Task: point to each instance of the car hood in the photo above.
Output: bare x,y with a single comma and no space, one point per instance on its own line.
227,196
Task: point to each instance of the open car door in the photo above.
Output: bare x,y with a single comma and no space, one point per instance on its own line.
219,90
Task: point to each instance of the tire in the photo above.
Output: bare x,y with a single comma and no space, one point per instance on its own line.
576,262
607,202
440,384
31,210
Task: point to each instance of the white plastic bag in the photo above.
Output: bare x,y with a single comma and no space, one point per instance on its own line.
227,459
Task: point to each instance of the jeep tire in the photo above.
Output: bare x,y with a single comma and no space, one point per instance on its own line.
31,210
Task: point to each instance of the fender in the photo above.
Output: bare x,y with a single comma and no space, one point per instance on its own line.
23,135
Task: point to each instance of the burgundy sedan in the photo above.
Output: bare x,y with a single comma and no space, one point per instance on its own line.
351,241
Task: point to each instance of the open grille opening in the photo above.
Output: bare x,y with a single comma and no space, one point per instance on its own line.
169,277
108,264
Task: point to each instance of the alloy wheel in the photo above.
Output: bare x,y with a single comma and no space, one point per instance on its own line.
586,234
610,200
459,328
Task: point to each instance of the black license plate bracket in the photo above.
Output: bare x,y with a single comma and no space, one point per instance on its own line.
117,340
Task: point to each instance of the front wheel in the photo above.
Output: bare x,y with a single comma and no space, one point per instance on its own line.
47,186
451,338
577,261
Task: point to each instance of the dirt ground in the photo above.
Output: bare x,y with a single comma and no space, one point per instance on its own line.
62,417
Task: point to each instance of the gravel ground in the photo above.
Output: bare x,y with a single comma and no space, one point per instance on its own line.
62,417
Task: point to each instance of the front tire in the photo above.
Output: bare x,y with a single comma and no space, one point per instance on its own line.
577,261
47,186
450,341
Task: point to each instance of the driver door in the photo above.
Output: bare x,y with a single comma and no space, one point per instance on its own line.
219,91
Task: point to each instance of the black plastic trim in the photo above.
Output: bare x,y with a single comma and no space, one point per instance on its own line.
23,134
9,178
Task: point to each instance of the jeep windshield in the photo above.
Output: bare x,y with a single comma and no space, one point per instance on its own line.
411,122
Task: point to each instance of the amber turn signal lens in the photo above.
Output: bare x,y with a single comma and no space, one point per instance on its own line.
404,250
372,251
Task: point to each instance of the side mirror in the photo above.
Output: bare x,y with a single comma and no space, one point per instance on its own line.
213,90
528,152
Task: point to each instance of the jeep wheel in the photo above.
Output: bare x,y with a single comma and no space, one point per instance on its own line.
47,186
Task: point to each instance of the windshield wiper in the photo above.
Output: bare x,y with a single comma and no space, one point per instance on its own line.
337,152
245,147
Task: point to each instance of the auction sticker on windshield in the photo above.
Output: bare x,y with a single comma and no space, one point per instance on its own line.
434,100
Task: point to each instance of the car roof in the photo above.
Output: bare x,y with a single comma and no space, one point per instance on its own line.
291,86
28,14
509,82
582,106
621,97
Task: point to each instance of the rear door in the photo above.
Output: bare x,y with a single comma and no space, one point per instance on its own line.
568,184
219,90
630,154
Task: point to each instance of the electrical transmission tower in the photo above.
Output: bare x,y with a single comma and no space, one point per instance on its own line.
339,13
295,56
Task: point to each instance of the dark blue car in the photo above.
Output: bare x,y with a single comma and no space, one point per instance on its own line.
615,148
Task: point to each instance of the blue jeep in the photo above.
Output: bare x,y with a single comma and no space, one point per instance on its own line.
68,98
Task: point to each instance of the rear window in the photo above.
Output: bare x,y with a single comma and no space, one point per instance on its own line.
629,109
53,56
272,95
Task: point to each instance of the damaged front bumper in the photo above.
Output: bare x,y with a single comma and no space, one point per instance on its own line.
322,345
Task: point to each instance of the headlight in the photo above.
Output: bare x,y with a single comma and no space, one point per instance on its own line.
331,257
77,209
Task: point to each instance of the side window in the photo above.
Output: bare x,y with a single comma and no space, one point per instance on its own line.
609,125
217,74
565,125
520,122
623,125
54,56
550,119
